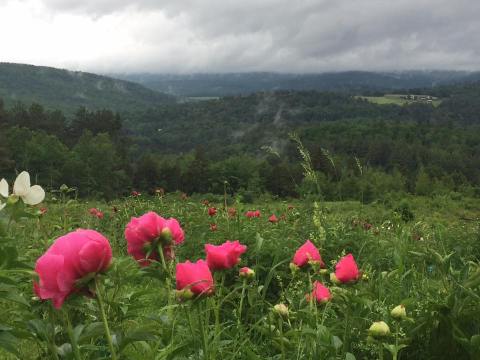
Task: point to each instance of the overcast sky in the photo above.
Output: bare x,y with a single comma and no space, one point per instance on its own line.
185,36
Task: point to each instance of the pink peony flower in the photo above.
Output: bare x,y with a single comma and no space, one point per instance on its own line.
145,233
252,214
307,253
273,219
212,211
224,256
70,258
232,212
320,293
346,269
95,212
195,277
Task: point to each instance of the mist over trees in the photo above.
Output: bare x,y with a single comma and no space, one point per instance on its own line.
360,150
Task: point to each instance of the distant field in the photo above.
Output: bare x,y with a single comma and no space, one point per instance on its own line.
394,99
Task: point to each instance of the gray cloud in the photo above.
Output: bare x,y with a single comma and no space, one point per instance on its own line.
289,36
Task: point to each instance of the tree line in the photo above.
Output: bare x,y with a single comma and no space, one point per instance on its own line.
359,150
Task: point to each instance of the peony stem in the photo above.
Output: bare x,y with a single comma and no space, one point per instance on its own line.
380,350
218,305
164,263
51,344
282,345
244,286
73,341
104,319
200,314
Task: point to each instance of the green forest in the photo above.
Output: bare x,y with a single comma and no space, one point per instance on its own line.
250,145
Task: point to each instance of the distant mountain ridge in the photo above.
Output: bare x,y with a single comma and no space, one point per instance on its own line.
68,90
197,85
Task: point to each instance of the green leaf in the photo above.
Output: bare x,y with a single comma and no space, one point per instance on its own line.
9,342
349,356
136,335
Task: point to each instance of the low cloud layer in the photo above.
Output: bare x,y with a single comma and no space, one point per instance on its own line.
238,36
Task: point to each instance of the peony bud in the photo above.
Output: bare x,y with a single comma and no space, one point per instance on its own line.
246,273
184,294
399,313
333,279
281,309
166,236
379,329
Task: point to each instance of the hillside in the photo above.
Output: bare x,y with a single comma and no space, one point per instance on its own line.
68,90
201,85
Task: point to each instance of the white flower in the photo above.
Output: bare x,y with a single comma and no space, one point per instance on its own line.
4,188
31,195
3,191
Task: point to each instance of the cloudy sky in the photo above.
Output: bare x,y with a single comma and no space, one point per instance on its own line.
184,36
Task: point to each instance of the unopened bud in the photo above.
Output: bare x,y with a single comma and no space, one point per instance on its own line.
281,309
166,236
12,199
246,273
294,268
399,312
184,294
379,329
334,279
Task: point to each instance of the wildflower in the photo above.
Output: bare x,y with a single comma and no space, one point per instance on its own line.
212,211
307,253
194,277
224,256
135,193
71,258
213,227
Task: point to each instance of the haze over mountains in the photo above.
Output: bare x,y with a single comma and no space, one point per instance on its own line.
245,83
68,90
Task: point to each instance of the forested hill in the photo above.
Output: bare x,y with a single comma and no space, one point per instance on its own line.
246,123
68,90
198,85
359,147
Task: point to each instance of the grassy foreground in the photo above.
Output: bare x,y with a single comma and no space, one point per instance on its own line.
422,253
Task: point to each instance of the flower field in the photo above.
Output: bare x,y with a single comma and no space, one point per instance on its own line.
169,276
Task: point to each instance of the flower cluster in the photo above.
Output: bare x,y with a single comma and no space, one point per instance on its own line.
149,234
346,270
